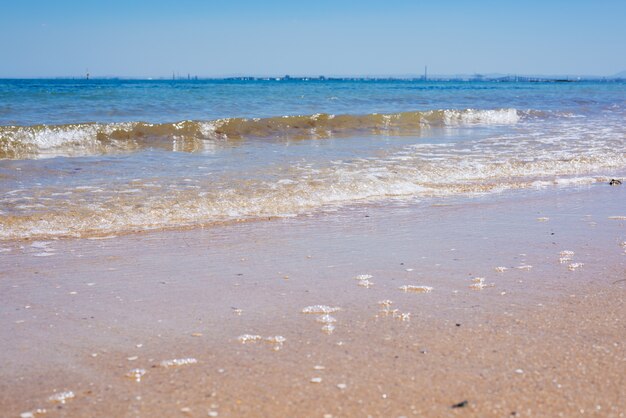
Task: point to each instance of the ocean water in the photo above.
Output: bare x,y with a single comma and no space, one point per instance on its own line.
98,157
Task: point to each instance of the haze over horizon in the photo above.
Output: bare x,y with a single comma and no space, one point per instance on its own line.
398,38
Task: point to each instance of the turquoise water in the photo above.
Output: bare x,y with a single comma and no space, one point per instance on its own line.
97,157
33,102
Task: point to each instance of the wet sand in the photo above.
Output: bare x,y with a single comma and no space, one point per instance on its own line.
543,337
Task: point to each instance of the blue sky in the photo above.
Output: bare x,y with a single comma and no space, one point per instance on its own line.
143,38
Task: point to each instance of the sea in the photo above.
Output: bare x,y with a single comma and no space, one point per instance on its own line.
93,158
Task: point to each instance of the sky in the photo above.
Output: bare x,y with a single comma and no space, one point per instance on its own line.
154,38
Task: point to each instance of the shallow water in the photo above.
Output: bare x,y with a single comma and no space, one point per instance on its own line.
103,157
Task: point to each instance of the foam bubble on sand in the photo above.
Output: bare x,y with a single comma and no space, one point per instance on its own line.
62,397
565,256
385,303
394,313
402,316
328,328
277,340
316,380
478,283
623,244
364,280
326,319
33,413
366,284
500,269
525,267
247,338
575,266
43,247
415,289
320,309
136,374
178,362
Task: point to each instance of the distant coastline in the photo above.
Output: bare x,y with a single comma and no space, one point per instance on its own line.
287,78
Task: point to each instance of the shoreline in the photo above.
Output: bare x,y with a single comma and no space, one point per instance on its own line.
176,294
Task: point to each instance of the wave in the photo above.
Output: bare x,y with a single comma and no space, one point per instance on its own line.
18,142
418,171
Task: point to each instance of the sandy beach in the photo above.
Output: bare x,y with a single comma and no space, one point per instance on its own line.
506,305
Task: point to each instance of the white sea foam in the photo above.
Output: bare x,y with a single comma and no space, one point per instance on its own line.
62,397
474,116
320,309
416,289
562,156
178,362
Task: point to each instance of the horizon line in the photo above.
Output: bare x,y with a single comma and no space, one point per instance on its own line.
441,77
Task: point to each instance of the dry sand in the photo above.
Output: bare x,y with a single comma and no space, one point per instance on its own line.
543,337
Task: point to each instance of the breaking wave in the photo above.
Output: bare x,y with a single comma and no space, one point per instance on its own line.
17,142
